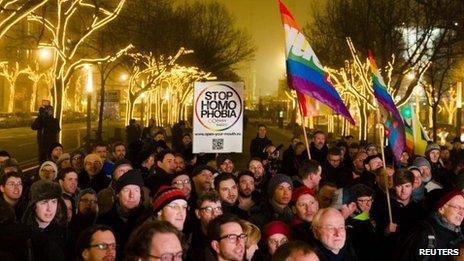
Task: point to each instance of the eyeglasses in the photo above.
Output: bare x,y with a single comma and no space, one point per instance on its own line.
104,246
209,209
333,228
457,208
14,185
170,256
177,207
181,182
87,201
232,238
278,242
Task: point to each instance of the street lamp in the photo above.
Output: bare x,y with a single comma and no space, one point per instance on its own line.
142,104
88,90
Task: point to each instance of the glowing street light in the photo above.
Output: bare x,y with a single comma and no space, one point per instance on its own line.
458,108
45,53
123,77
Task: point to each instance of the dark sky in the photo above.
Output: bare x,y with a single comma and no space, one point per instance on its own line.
261,18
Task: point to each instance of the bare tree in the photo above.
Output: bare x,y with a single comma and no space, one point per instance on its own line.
13,11
65,34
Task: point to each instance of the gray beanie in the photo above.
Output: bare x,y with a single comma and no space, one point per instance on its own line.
430,147
421,161
275,181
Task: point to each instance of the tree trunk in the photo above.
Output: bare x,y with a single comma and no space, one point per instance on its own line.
34,93
434,121
362,122
11,98
102,107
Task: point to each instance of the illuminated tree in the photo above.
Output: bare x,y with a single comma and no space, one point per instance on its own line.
13,11
146,73
11,74
59,21
411,31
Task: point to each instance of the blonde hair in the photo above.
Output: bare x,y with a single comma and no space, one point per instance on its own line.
253,232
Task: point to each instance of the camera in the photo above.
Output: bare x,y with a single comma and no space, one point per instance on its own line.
44,111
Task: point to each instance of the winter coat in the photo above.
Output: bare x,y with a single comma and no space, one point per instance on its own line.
257,147
263,213
318,154
97,183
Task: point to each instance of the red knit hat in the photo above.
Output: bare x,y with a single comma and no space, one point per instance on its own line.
166,195
276,227
301,191
447,197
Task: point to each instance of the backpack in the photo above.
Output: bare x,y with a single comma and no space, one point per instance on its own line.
407,242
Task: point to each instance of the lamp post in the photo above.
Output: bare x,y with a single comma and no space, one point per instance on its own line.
142,105
88,90
458,108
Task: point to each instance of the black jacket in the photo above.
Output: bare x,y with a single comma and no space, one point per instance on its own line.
257,147
97,183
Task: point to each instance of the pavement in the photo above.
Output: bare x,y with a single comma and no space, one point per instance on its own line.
21,142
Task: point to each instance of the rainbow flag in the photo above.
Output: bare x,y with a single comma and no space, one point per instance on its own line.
308,105
394,124
304,71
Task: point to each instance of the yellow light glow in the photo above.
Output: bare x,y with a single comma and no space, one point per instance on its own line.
45,54
123,77
411,76
89,84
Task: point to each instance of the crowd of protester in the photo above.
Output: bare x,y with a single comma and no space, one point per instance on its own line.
144,199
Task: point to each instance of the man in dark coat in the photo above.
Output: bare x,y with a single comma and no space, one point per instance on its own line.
318,147
333,170
259,144
47,128
93,176
442,231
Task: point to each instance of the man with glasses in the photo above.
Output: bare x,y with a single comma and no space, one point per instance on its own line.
208,207
11,187
96,243
328,228
441,231
170,204
227,238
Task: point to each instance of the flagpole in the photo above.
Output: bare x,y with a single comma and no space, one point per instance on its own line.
304,129
381,136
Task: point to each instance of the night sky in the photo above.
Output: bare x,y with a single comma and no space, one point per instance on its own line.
261,18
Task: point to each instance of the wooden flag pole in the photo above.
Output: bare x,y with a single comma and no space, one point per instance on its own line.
381,136
304,129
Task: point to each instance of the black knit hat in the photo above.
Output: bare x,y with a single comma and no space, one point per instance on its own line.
132,177
54,145
120,162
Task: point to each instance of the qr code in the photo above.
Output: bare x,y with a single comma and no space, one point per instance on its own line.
218,144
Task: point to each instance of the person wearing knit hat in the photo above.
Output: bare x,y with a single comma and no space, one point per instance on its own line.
280,189
439,172
276,233
441,230
225,163
128,190
128,208
64,161
55,151
425,168
170,204
107,195
48,170
77,160
305,206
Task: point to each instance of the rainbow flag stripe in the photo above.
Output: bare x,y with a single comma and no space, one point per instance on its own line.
394,124
304,71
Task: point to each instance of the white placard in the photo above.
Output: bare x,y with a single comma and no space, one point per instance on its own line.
218,117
